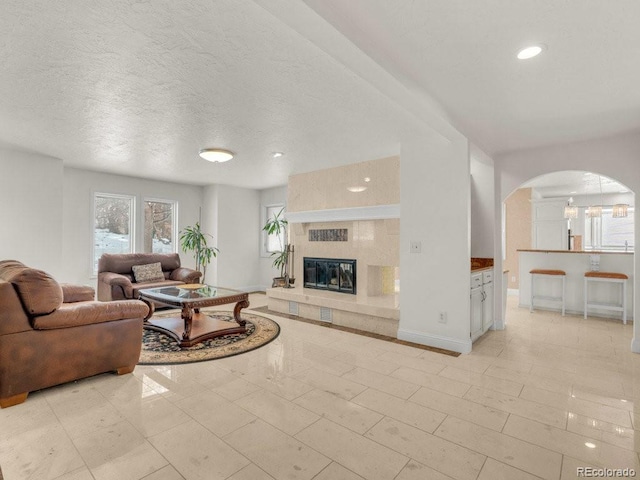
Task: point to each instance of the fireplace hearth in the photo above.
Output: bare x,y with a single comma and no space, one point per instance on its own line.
333,274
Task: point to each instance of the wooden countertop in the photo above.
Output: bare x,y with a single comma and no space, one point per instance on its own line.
480,263
587,252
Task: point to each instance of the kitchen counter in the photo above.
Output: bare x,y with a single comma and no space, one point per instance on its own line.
587,252
478,263
575,265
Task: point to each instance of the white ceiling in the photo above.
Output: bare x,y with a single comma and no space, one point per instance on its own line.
139,87
573,182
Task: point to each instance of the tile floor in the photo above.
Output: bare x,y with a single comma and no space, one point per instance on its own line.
538,400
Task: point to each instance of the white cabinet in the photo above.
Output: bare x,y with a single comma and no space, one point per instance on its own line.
548,225
476,313
481,303
487,307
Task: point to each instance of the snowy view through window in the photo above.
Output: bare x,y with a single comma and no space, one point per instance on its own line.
159,226
115,220
113,228
109,242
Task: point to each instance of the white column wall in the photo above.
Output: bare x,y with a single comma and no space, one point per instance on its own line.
237,232
437,279
616,157
209,225
31,210
482,210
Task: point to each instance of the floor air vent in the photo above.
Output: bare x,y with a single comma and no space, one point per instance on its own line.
325,314
293,308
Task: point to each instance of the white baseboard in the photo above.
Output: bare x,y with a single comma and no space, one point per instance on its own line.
438,341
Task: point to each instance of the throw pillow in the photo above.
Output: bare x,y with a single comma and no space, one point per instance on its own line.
148,273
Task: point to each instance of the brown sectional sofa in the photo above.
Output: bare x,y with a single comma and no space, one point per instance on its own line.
52,333
116,280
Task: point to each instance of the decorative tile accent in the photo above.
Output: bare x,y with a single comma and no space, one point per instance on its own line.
329,235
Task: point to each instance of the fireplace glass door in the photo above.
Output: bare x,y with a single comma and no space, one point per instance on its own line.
346,277
330,274
333,269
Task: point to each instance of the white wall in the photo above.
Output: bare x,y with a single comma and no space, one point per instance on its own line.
77,211
236,211
616,157
482,212
31,210
437,279
269,196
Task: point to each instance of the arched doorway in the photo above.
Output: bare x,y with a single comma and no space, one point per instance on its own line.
615,157
555,213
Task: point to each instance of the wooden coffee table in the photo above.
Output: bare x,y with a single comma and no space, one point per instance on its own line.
192,326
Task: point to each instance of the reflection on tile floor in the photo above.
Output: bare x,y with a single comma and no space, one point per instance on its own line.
541,399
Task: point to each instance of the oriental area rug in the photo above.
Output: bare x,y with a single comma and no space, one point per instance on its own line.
160,349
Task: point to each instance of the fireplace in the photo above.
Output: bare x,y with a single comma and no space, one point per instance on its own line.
334,274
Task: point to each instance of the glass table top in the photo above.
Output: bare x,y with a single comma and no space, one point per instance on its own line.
188,292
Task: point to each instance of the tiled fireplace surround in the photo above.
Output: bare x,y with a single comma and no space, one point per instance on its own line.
373,243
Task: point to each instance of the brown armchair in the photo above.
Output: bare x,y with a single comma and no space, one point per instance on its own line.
116,280
52,333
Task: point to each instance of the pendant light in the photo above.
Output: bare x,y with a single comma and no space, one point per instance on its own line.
620,210
570,211
595,211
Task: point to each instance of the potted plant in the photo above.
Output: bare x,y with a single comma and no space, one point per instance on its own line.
193,239
277,225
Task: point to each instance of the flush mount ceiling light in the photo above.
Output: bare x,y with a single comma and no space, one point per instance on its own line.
530,52
216,155
357,189
277,154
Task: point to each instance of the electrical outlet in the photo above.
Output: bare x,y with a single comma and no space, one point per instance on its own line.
513,278
416,247
443,317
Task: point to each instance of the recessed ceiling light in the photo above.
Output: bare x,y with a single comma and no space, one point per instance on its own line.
357,189
277,154
530,52
589,445
216,155
367,179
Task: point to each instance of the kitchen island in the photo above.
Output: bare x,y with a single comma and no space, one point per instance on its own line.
575,263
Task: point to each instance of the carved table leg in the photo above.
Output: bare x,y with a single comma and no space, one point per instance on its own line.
236,312
152,308
187,316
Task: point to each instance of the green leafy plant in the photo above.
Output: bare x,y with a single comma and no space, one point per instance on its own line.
277,225
192,239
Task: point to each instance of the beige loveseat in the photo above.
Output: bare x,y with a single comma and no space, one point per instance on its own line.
117,280
53,333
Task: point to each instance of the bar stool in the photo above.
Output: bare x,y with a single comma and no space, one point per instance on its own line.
552,273
610,277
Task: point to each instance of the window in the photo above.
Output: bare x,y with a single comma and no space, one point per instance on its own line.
273,243
159,226
608,233
113,225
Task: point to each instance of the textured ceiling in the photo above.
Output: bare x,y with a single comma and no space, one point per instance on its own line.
138,87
